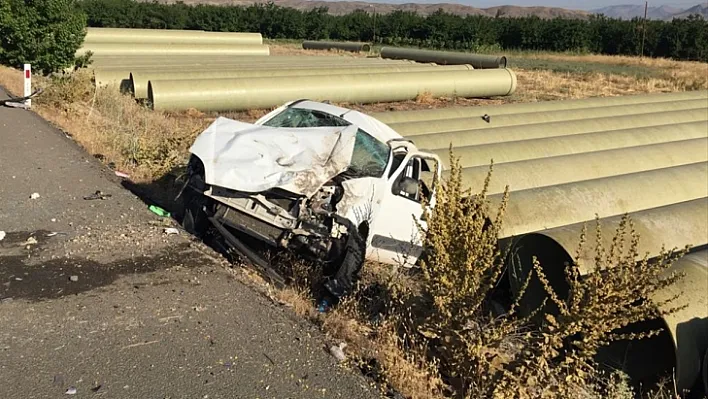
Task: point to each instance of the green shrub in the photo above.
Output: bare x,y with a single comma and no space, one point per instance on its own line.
44,33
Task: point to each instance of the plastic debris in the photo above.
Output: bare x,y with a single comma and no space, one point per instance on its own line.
158,211
71,391
34,196
74,278
98,195
324,305
121,174
171,230
338,351
2,235
30,241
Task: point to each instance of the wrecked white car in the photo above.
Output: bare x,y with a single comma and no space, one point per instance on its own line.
328,182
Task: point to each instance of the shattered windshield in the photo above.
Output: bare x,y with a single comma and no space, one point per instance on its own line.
299,117
369,158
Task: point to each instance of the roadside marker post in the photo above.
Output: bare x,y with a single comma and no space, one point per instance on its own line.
28,84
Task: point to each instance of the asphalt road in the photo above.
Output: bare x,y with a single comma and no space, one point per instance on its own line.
94,295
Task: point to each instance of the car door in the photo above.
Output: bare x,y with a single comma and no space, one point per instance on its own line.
394,236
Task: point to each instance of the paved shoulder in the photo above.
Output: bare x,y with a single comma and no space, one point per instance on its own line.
95,296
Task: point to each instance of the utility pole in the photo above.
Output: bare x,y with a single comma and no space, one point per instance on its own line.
644,28
374,8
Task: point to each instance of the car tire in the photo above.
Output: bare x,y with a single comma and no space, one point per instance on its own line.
194,219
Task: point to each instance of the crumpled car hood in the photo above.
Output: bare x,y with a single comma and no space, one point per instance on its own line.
254,158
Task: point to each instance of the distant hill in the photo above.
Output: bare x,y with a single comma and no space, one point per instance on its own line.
701,9
345,7
629,11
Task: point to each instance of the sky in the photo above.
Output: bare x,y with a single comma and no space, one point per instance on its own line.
571,4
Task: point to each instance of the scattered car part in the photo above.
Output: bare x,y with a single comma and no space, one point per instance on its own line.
18,102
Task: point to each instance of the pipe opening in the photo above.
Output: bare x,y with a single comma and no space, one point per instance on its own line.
551,257
646,361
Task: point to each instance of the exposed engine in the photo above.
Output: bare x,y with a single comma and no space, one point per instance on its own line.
317,215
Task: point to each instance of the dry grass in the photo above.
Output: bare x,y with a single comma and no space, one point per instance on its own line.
687,75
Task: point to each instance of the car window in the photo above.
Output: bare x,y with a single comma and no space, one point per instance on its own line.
420,170
299,117
369,157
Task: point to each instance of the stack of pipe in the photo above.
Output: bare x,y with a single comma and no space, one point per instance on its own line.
176,70
168,42
114,70
566,161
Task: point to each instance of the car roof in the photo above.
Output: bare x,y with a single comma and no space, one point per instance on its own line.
365,122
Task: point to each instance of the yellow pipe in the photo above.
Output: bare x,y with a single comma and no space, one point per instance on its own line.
167,36
513,151
540,106
554,129
549,171
451,125
173,49
260,93
139,80
542,208
684,341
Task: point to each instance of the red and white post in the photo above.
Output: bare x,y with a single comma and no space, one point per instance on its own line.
28,84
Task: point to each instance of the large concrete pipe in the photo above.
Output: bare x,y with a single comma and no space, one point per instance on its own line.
514,151
542,172
169,36
241,94
173,49
671,226
139,80
450,125
116,74
542,208
517,108
554,129
197,67
479,61
689,326
257,60
257,66
346,46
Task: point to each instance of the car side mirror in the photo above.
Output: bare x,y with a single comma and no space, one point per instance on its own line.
408,185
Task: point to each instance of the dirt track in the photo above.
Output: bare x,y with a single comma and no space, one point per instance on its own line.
112,306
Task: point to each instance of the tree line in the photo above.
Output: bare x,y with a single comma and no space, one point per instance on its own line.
684,39
46,33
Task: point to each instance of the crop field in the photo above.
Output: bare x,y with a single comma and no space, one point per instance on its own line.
410,329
